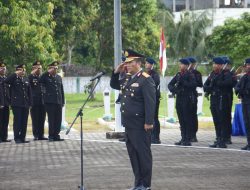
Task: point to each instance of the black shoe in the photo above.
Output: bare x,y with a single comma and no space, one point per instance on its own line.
187,143
51,139
6,140
222,145
35,139
24,141
42,138
179,143
157,141
228,141
58,139
247,147
18,141
194,139
215,145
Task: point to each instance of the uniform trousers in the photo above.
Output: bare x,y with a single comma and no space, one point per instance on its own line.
20,122
156,129
54,112
138,143
246,117
4,122
38,115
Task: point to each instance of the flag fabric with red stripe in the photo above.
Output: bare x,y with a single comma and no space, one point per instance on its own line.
162,54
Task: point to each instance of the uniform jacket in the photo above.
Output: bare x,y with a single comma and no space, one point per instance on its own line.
53,89
155,76
36,89
4,92
242,88
183,84
219,83
20,92
137,98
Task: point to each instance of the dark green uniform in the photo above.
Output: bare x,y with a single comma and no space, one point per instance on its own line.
137,98
53,101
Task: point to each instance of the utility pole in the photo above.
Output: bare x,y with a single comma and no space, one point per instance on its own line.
117,58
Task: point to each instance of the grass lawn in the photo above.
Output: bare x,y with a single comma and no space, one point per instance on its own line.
94,109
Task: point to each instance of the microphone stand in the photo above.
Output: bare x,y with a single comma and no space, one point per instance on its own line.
80,113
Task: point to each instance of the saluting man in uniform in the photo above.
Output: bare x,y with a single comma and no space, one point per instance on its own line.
138,100
37,110
53,100
20,102
242,89
149,68
183,85
4,105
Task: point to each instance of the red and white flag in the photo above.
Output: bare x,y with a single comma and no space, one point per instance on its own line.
162,54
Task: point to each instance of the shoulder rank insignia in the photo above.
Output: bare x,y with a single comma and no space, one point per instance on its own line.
145,74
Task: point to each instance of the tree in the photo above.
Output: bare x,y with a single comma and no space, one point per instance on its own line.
26,32
232,39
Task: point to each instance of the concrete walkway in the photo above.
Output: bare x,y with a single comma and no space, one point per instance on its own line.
56,165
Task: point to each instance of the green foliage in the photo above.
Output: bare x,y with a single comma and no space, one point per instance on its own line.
26,32
232,39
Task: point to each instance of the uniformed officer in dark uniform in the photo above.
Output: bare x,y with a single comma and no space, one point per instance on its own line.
183,86
37,110
218,85
242,89
149,68
229,117
53,100
198,78
20,102
138,100
4,105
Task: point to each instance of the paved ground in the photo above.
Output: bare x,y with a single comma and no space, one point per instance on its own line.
56,165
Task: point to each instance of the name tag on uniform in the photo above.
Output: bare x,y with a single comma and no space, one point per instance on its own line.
135,84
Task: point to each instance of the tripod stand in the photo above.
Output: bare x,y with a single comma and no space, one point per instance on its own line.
80,113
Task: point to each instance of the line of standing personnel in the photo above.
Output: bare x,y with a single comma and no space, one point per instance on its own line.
40,92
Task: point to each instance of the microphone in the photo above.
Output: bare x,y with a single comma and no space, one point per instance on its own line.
98,75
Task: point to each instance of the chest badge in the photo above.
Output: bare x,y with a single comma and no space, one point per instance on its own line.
135,84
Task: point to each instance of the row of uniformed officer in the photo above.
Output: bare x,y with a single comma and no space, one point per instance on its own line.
138,100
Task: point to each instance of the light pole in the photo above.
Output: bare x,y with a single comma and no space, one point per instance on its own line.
117,57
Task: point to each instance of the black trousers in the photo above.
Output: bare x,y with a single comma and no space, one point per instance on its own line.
138,143
229,117
156,129
38,115
220,106
54,112
20,122
4,122
194,119
246,116
184,113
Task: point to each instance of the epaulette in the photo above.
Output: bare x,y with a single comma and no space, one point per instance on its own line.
145,74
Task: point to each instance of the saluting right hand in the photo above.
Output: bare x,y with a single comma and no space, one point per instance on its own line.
120,68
